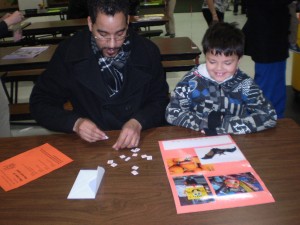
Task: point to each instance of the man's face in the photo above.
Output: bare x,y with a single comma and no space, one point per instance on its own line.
109,32
221,67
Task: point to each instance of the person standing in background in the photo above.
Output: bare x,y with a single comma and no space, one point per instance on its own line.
169,11
77,9
9,19
266,41
6,21
134,6
214,10
294,27
236,4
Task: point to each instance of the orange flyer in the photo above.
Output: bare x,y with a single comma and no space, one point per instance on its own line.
209,173
30,165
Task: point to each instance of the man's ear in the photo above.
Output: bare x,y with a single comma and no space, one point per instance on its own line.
128,20
90,24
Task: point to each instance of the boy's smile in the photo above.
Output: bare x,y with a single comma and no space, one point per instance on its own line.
221,67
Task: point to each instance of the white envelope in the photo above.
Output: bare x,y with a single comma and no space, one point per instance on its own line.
87,184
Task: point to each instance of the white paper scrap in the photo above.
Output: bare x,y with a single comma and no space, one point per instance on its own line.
134,172
113,164
149,157
134,167
127,159
135,149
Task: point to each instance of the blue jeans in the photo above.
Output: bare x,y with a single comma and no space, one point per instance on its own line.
270,77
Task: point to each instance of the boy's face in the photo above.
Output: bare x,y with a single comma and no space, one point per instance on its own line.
109,32
221,67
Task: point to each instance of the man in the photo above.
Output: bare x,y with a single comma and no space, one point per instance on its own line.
112,77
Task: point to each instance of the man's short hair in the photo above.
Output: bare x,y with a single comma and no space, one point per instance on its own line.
108,7
224,38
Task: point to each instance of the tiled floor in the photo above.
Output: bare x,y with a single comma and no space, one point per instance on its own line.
192,25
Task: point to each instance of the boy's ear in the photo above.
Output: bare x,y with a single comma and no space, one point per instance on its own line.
239,60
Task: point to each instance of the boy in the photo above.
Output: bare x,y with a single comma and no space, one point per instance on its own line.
217,97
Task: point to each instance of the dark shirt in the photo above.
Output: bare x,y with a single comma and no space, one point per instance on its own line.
266,30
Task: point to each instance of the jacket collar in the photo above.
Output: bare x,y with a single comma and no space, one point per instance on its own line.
83,50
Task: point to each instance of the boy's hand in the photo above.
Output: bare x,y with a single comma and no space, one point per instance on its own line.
214,120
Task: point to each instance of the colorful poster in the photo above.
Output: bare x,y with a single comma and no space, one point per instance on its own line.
209,173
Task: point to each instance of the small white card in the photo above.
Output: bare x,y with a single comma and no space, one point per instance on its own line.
87,184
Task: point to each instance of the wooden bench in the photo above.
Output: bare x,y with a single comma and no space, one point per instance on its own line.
150,33
19,111
14,77
50,40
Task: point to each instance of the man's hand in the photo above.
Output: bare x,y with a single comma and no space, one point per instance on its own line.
129,136
88,131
